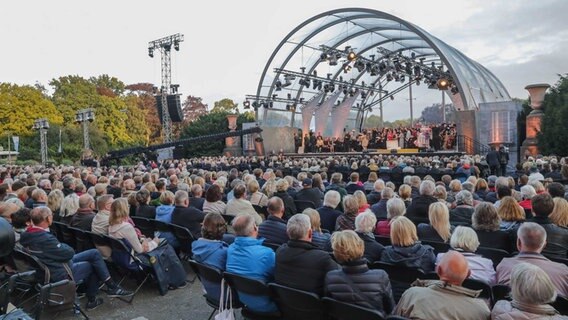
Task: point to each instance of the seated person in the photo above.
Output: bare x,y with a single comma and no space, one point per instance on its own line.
328,212
355,283
364,227
556,236
301,254
346,221
531,239
121,228
211,250
164,213
444,298
145,210
100,221
395,208
439,228
532,292
487,224
319,238
83,218
464,240
273,230
406,250
87,267
20,221
245,249
187,216
464,208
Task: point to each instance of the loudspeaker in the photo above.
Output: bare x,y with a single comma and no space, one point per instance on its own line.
174,107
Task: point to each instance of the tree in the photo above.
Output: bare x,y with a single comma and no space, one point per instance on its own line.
21,105
225,105
553,136
146,102
193,107
71,94
372,121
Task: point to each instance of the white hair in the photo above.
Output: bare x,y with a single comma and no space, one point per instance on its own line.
298,226
395,207
427,188
530,284
464,238
332,199
464,197
387,193
69,205
528,192
379,185
365,222
532,236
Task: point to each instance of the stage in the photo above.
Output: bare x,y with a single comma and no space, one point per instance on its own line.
373,152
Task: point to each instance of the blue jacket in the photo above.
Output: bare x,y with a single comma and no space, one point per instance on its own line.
214,254
248,257
273,230
164,214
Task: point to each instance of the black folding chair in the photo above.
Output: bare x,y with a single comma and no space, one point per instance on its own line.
501,292
185,239
273,246
439,247
145,225
495,255
128,264
82,240
241,284
401,277
346,311
258,209
397,318
301,205
486,290
385,241
559,260
228,218
66,235
297,304
561,305
209,274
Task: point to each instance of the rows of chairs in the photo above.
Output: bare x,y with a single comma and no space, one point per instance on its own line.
292,303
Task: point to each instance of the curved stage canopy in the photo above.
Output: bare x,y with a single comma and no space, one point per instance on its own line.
367,56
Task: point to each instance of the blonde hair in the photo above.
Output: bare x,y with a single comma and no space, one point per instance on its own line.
405,191
361,198
350,205
118,211
282,185
54,200
402,232
69,205
531,285
167,198
510,210
347,246
464,238
559,215
252,186
439,217
314,218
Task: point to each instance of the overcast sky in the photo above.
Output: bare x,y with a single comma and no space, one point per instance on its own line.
227,43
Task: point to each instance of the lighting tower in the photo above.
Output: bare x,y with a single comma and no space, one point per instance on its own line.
164,45
42,125
85,116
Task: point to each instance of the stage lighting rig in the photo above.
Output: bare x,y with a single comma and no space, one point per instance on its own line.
443,84
246,104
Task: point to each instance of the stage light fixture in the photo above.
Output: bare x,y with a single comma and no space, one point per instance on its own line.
176,45
324,56
346,68
246,104
417,82
151,52
389,77
333,60
374,71
443,84
402,78
413,55
278,85
392,97
351,56
289,96
331,87
417,71
454,90
288,107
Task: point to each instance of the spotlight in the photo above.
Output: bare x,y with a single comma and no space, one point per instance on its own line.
333,60
176,45
417,82
374,71
417,71
413,55
402,78
392,97
389,77
351,56
433,64
443,84
454,90
278,85
346,68
288,107
246,104
151,52
255,104
287,82
324,56
289,96
331,87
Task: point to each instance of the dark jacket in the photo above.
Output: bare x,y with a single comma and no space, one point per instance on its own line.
492,158
373,249
414,256
49,251
290,207
461,215
356,284
190,218
491,197
495,239
197,203
273,230
328,217
373,197
83,219
309,194
380,209
352,187
427,232
419,207
313,262
146,211
556,238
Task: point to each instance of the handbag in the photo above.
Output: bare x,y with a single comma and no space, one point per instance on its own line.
226,311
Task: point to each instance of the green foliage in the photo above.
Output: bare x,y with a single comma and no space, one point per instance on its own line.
225,105
206,124
372,121
553,136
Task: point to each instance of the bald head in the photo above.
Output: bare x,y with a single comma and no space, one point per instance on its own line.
453,268
6,210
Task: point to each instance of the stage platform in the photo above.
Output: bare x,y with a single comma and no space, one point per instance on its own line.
373,152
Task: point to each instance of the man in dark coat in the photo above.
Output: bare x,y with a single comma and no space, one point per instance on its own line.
301,254
492,159
420,205
273,229
83,218
187,216
328,214
308,193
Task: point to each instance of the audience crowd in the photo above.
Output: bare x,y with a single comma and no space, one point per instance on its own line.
329,226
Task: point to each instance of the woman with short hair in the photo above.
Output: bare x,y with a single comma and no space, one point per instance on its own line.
406,250
527,193
346,221
54,201
369,185
559,216
362,200
395,207
121,228
481,188
214,200
365,224
319,238
532,292
405,193
69,207
355,283
465,241
511,214
256,197
486,223
144,209
439,228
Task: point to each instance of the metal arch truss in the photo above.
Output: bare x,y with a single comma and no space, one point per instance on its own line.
463,73
164,45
